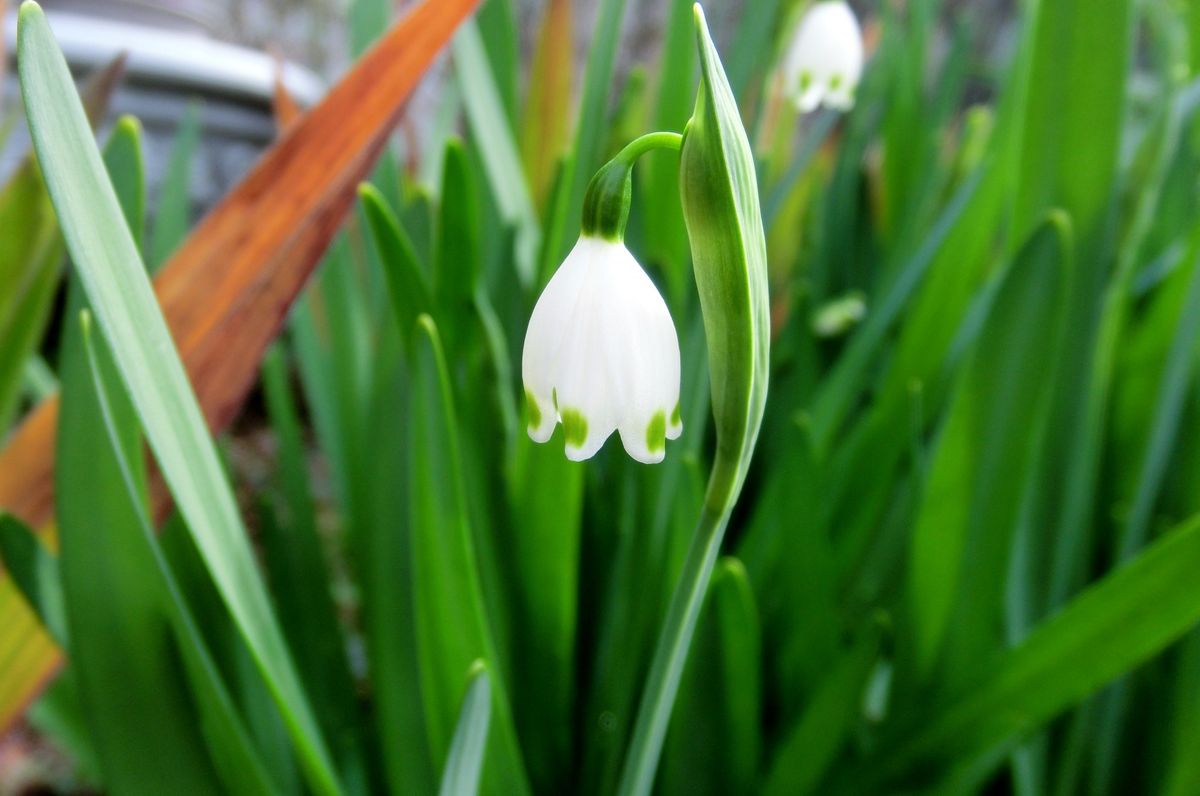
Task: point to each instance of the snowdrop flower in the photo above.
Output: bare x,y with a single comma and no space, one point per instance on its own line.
601,354
825,59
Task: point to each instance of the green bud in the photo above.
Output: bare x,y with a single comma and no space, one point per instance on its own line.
719,192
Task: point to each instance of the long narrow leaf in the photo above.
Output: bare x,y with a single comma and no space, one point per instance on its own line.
464,763
110,269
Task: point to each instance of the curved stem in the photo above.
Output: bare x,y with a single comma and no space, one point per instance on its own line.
650,141
606,203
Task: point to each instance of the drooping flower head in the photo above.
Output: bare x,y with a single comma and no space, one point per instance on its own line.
601,354
824,61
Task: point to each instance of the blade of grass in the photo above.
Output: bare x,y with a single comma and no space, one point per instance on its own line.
457,249
1162,439
451,620
748,54
1111,627
387,582
118,633
26,671
541,546
31,252
407,284
237,763
838,390
297,571
498,27
34,570
110,269
810,746
464,762
964,530
501,159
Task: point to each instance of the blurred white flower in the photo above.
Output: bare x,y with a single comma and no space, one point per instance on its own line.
601,354
825,58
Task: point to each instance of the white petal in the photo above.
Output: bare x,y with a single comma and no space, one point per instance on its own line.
649,349
543,341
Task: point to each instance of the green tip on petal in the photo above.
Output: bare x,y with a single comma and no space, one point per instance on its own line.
574,427
656,433
535,411
676,417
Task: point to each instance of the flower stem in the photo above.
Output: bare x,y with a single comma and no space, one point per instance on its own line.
662,683
606,203
650,141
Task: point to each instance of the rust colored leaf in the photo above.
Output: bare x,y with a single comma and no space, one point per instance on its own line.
226,292
548,104
283,104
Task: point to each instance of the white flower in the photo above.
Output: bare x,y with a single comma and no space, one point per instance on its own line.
825,59
601,354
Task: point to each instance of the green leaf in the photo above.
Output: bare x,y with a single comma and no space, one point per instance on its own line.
1072,137
980,471
31,249
111,272
1070,156
840,388
749,52
118,630
498,26
464,763
719,191
457,253
451,620
35,571
541,545
385,571
812,744
127,170
368,20
1110,628
714,741
31,254
173,216
299,576
407,284
493,135
237,763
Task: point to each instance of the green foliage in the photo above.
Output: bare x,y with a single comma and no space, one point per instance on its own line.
963,556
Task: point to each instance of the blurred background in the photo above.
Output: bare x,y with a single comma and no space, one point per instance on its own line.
218,57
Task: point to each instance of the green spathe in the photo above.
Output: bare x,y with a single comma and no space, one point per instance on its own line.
719,190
